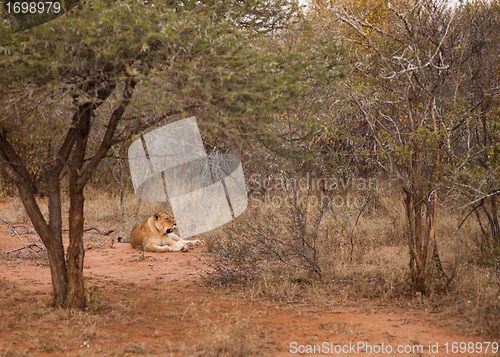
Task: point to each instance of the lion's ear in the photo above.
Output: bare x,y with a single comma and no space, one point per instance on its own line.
157,216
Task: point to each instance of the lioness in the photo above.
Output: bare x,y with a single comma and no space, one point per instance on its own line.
156,234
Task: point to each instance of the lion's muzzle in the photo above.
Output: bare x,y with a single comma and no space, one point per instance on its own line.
171,230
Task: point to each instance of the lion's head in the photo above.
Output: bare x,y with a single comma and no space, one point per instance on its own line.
165,222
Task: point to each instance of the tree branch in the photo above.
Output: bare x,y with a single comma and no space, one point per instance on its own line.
107,140
15,169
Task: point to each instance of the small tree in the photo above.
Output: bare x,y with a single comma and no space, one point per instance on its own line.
113,69
474,157
406,48
424,87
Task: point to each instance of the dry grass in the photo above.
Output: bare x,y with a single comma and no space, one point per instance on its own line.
233,340
367,260
102,210
56,338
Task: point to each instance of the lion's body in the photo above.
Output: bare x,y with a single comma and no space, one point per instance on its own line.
155,234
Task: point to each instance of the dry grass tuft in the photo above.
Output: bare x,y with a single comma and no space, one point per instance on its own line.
367,259
233,340
135,348
364,259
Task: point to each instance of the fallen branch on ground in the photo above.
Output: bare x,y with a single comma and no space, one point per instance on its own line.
106,233
28,231
30,246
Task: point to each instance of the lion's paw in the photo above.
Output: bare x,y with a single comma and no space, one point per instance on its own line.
184,249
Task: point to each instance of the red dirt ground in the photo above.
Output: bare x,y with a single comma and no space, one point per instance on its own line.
157,304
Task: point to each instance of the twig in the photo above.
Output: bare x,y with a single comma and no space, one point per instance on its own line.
107,233
27,229
30,246
355,225
349,281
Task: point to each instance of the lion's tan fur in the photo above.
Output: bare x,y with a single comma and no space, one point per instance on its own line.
155,234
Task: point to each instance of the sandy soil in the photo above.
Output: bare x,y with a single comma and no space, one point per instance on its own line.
157,304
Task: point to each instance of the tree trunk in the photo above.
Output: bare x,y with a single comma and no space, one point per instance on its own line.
495,229
414,204
55,251
66,273
416,243
75,255
58,273
433,213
